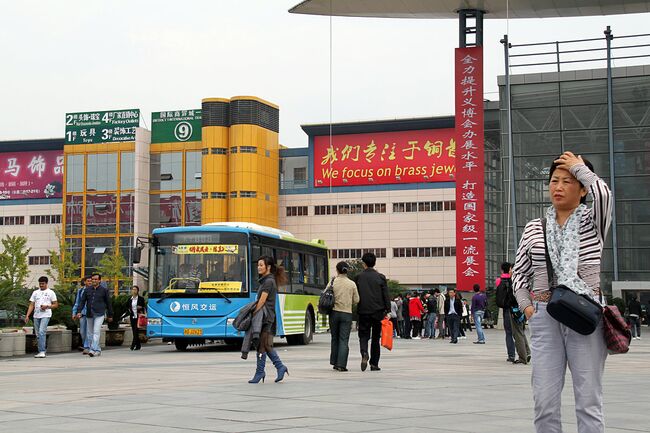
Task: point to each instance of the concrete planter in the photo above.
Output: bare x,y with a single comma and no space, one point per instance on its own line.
115,337
12,342
59,340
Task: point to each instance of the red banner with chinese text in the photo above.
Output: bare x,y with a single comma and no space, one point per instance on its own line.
426,155
470,171
27,175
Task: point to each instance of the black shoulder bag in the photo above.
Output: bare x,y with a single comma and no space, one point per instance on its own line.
578,312
326,300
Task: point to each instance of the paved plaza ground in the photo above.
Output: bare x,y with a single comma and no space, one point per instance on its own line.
424,385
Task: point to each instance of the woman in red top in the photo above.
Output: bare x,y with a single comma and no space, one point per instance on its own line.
415,312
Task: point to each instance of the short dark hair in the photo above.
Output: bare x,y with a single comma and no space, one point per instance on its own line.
342,267
136,288
436,290
450,289
505,267
96,273
589,165
43,279
477,288
369,259
88,277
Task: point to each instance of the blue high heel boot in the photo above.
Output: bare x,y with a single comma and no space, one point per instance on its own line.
282,369
259,371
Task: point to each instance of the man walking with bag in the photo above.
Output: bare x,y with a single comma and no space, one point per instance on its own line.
374,305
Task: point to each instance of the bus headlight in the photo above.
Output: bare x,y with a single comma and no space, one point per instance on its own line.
154,321
230,321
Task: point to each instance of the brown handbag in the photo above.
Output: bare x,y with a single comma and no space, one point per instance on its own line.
617,331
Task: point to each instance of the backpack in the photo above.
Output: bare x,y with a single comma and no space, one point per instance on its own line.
326,300
505,298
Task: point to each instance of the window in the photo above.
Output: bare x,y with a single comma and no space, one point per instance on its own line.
300,173
101,173
127,170
247,194
74,173
222,195
233,194
39,260
192,209
45,219
192,170
424,206
248,149
357,253
325,210
233,149
126,212
12,220
424,252
297,211
101,213
218,150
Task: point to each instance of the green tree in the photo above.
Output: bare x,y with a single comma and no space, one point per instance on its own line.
13,261
63,267
111,267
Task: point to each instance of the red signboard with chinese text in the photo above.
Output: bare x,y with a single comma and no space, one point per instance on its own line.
29,175
470,171
426,155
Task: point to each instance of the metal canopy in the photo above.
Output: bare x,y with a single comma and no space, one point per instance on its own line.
450,8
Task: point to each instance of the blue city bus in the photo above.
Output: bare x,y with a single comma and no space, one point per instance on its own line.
200,277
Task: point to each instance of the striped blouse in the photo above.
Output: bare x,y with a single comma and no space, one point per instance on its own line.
529,273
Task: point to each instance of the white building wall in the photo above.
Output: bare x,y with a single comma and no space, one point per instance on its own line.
40,237
382,230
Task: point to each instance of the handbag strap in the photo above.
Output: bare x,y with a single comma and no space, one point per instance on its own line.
549,266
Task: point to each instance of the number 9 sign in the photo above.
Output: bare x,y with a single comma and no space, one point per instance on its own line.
183,131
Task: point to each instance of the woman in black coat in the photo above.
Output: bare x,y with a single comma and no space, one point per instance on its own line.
135,306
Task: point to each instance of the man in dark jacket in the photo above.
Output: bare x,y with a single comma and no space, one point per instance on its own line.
453,313
374,305
634,314
96,301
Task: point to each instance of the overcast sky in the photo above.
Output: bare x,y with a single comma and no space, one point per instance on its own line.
67,56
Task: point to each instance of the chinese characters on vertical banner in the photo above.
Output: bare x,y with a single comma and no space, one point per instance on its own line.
470,227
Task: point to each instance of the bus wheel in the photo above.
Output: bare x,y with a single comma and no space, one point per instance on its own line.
307,335
181,344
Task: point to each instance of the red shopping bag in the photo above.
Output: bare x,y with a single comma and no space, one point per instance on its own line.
142,321
387,334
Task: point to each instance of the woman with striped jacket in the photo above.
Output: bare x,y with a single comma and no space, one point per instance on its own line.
575,237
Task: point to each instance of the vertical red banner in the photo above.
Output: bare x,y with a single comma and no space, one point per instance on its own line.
470,169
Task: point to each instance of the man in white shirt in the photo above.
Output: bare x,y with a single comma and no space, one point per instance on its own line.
42,302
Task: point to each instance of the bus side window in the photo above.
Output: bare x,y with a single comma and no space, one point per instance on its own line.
321,266
282,258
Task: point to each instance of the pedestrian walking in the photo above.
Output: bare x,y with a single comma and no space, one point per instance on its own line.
41,303
415,314
135,306
78,308
97,302
507,303
405,314
634,314
442,326
479,305
453,310
574,236
400,316
374,305
271,275
432,309
346,295
393,316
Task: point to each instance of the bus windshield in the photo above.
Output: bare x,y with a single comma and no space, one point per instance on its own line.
203,263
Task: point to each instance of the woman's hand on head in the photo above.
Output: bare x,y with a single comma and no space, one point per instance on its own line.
568,160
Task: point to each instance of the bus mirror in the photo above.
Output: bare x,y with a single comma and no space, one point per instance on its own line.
137,251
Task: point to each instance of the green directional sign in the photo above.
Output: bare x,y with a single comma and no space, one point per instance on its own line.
101,126
176,126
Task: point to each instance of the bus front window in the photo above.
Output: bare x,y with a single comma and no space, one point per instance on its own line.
201,268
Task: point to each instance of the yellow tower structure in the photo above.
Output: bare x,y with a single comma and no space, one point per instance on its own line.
214,163
240,162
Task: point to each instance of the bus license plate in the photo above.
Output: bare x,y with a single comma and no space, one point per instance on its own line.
192,331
